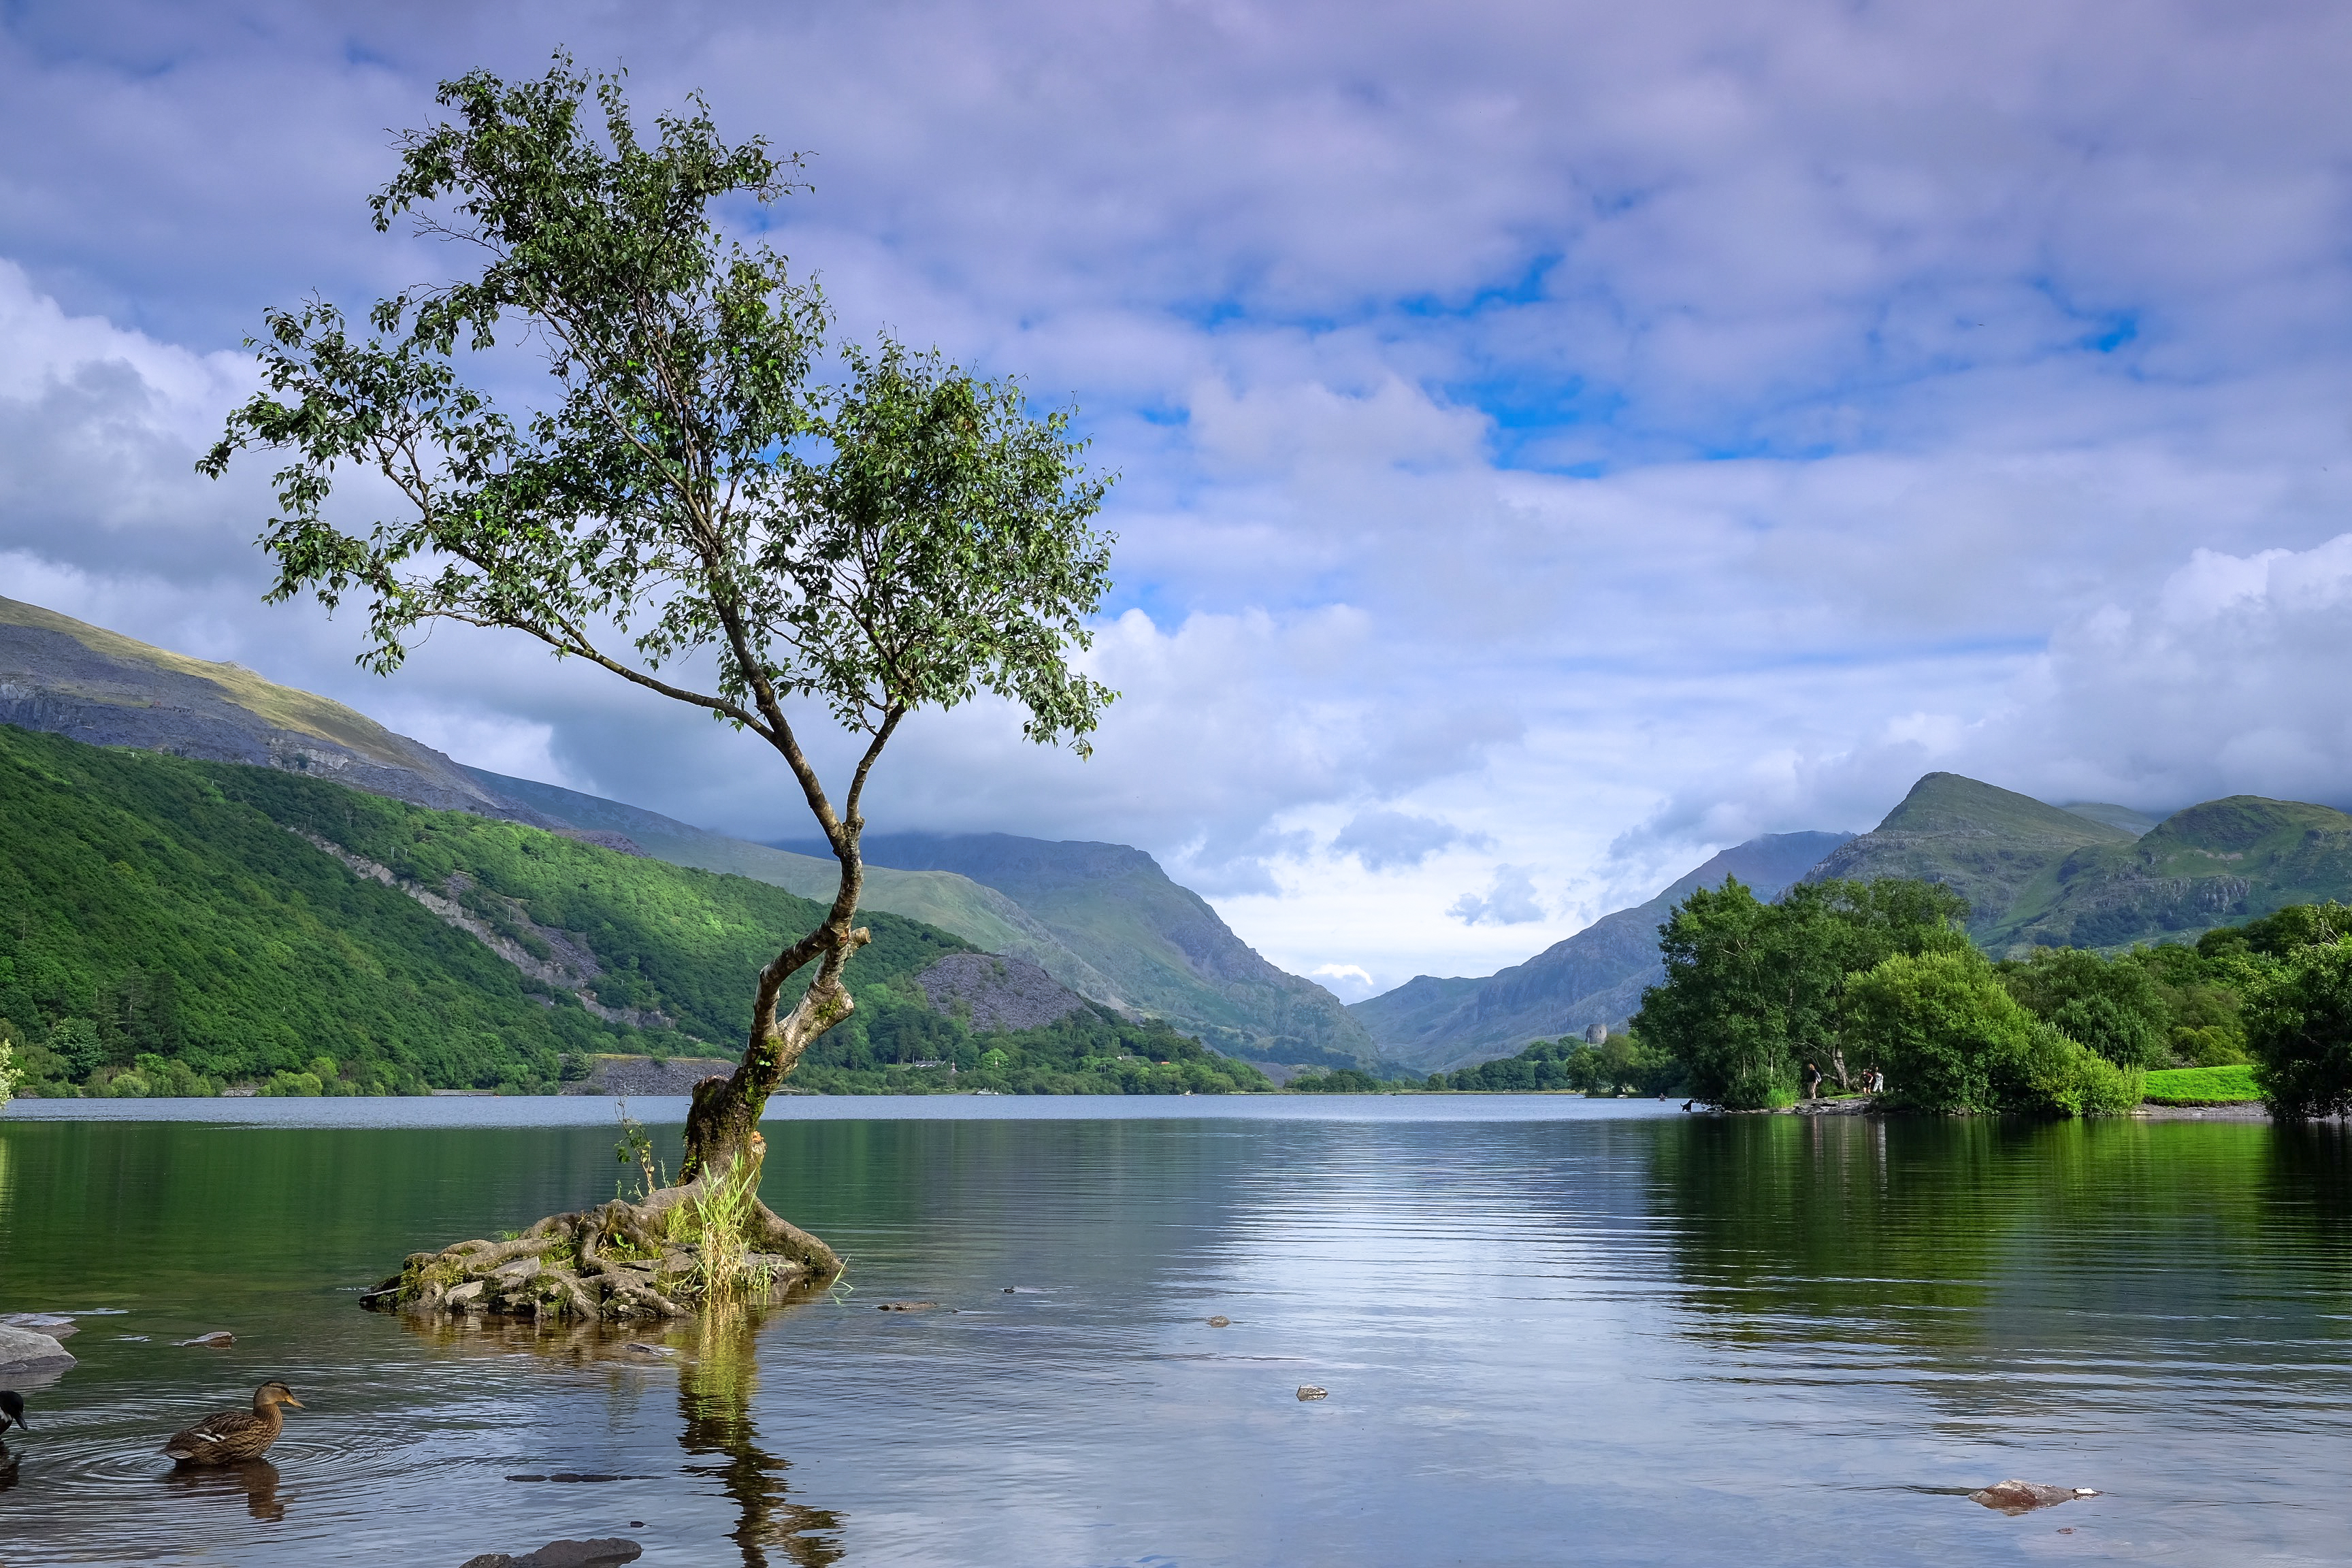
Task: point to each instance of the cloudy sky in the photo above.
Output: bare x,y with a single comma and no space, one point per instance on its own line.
1555,440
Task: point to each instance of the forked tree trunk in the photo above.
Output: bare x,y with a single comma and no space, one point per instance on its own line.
723,1145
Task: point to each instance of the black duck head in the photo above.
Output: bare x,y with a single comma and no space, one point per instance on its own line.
12,1410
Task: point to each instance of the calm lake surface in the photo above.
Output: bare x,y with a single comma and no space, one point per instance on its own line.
1554,1330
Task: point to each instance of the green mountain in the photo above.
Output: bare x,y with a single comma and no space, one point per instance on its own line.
1161,945
2212,865
2102,875
1596,976
176,925
92,685
978,914
69,677
1990,845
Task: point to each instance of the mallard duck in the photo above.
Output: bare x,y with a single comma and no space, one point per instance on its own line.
235,1435
12,1414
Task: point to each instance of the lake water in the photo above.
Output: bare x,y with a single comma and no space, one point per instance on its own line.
1553,1331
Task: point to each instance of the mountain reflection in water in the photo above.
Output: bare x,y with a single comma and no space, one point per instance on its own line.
1551,1330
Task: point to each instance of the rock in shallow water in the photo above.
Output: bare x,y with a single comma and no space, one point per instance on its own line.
600,1553
1308,1390
53,1325
22,1349
2015,1497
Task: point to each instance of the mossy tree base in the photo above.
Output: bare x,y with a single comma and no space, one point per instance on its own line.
665,1257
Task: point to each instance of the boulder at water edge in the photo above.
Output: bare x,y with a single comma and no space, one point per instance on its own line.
21,1350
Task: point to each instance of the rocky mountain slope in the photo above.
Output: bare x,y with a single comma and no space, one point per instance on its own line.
177,926
1989,844
1596,976
2102,875
1161,945
2212,865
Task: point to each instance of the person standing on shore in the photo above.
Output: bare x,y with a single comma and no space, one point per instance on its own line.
1812,1081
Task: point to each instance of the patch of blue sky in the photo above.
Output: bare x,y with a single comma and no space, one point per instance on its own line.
1531,287
1527,415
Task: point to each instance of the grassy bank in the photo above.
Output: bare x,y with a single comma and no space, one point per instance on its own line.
2202,1085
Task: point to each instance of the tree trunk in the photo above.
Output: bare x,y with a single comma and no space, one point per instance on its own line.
723,1146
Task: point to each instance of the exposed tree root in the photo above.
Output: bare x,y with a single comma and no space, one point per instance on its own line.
668,1254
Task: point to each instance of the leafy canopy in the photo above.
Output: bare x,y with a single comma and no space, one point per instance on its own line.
2299,1026
901,535
1755,990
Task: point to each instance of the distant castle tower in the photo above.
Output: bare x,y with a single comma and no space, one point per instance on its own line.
1596,1034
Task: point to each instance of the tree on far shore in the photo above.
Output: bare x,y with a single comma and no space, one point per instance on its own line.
696,505
1754,990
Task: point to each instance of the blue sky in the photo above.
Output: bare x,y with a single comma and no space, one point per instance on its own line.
1556,440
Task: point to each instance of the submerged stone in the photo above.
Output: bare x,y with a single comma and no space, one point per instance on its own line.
2015,1497
599,1553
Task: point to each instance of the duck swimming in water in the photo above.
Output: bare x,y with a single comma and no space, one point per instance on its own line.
234,1436
12,1414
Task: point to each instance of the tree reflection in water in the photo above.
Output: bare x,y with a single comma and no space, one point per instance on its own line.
714,1395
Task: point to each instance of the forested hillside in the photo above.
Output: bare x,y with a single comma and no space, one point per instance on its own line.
175,926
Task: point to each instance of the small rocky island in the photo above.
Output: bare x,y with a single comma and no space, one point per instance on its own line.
613,1263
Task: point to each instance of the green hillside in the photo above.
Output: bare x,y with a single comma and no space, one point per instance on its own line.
2212,865
980,915
171,925
1160,944
1989,845
2096,876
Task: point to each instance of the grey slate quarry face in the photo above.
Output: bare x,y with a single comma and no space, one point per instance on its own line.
1000,992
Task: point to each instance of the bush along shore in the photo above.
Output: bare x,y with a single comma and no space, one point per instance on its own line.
1843,984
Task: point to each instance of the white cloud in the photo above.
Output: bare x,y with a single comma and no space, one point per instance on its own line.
1348,981
1384,840
1510,899
1599,433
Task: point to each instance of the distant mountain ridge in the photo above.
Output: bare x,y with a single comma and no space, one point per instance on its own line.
1988,844
98,687
2039,876
978,914
1596,976
1160,943
1167,953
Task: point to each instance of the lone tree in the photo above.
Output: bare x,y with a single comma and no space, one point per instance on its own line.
696,505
